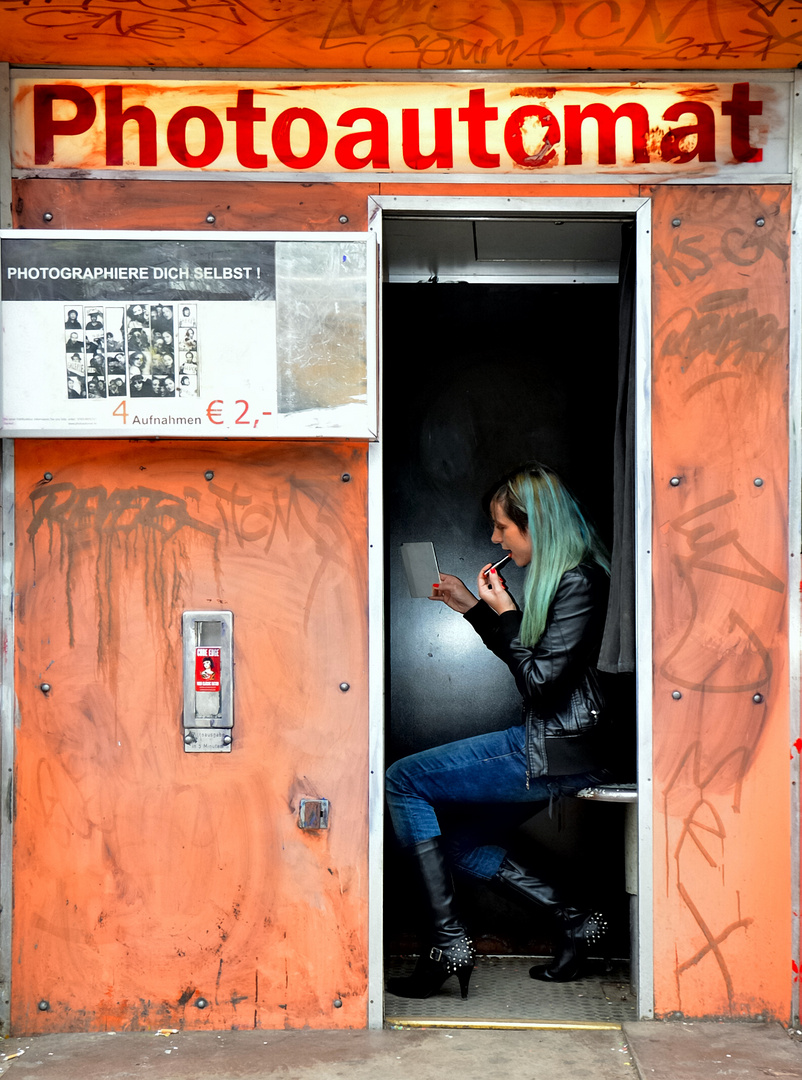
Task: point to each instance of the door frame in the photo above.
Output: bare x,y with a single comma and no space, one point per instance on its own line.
639,209
8,719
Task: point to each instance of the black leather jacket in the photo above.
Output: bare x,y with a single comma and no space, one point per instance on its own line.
563,705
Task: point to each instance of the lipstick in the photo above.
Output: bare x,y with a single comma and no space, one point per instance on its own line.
497,566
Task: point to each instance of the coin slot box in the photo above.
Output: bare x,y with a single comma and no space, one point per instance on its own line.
208,681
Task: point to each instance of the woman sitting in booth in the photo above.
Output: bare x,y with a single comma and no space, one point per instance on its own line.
556,747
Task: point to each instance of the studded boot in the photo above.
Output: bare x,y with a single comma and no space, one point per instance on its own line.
449,950
577,931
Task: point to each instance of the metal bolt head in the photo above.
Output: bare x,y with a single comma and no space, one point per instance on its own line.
757,698
676,223
675,481
43,1006
758,481
45,687
208,475
189,737
337,1003
346,476
760,222
210,219
226,740
201,1003
343,219
48,476
47,217
345,687
676,694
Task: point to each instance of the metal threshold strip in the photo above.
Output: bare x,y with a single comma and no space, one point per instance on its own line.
501,1025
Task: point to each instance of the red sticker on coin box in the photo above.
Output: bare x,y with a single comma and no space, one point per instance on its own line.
207,668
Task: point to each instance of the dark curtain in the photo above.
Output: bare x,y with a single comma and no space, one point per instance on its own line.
618,644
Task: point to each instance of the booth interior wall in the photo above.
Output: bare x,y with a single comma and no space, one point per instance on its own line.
473,410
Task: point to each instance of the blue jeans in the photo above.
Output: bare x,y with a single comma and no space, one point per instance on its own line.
488,769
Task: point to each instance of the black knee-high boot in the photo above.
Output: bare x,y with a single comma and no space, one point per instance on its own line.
578,931
449,950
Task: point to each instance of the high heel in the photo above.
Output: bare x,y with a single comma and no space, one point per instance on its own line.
450,950
579,933
433,968
464,976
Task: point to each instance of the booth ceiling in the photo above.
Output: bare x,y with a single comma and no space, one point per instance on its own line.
415,35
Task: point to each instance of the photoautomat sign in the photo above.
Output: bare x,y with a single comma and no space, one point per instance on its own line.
361,129
244,335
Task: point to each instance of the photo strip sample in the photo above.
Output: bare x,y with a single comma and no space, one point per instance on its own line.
147,350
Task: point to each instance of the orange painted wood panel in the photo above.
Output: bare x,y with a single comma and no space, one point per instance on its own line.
185,204
145,878
245,205
421,35
722,824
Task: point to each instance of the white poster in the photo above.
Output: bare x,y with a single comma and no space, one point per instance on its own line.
146,334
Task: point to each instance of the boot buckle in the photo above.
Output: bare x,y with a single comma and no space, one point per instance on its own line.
436,954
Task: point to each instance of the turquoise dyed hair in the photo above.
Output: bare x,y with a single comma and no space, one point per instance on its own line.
537,501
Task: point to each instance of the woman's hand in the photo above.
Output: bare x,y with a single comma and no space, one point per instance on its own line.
493,591
455,593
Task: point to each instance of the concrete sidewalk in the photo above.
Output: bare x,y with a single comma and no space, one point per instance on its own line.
652,1051
685,1050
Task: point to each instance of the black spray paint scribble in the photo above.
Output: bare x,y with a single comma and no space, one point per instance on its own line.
248,521
725,328
746,664
697,242
700,851
150,528
736,662
436,33
122,526
136,20
502,33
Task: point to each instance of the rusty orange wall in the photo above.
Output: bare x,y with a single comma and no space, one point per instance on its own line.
722,823
422,35
146,878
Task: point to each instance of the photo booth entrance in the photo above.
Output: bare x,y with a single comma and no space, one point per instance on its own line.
501,343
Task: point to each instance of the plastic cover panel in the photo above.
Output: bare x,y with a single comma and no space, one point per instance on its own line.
321,323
